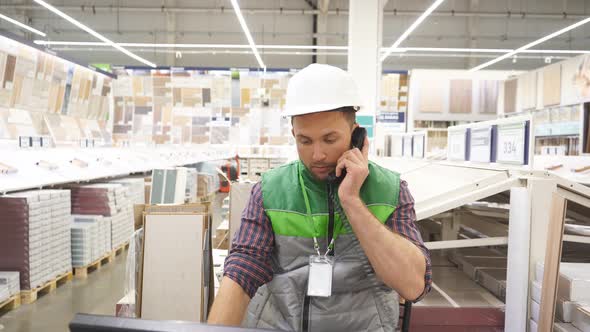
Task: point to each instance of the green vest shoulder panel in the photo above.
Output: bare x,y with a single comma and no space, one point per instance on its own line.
285,207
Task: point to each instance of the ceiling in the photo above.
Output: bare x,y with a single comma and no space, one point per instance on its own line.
503,24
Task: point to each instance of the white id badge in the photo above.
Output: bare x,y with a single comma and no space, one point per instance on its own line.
320,276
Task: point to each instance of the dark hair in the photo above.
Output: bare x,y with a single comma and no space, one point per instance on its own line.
349,113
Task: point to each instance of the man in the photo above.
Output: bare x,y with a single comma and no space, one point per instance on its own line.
267,272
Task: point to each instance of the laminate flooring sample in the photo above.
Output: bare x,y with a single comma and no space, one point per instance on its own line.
552,85
510,88
461,96
488,96
172,285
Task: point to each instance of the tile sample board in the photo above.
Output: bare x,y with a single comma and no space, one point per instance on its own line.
527,91
168,186
173,256
551,85
433,96
461,96
488,96
510,89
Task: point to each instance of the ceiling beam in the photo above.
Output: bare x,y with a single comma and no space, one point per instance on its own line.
223,10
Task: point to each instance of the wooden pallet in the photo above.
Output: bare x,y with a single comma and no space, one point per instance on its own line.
30,296
119,250
10,304
82,272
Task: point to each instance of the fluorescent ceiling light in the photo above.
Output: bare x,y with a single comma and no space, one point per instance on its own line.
412,28
532,44
163,45
488,50
93,33
234,3
22,25
306,47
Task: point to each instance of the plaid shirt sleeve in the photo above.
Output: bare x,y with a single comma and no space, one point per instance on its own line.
248,262
403,222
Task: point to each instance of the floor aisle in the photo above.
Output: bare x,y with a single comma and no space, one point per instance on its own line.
52,313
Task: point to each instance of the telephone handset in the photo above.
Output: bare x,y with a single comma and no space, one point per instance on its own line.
357,141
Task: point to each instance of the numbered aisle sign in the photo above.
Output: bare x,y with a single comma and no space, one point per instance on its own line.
511,147
481,145
457,143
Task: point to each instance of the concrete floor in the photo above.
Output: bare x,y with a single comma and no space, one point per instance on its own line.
52,312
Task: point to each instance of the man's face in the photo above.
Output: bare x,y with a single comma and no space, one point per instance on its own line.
321,139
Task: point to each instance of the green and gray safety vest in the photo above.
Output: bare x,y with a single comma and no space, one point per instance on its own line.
357,302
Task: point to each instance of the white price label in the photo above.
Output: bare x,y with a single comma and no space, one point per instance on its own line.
457,145
511,143
481,145
418,146
407,146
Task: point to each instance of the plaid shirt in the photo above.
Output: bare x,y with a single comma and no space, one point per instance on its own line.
248,263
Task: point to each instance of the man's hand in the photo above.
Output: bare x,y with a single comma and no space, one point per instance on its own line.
356,163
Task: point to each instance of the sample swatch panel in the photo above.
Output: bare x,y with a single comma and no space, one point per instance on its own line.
552,85
510,88
488,96
172,285
432,96
461,96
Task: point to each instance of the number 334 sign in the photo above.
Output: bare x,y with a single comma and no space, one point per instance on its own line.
511,143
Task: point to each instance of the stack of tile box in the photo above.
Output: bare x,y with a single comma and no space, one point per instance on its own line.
10,279
90,243
191,185
33,235
111,200
84,243
136,188
61,217
573,293
4,294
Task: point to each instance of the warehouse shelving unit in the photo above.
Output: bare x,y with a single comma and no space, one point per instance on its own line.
499,204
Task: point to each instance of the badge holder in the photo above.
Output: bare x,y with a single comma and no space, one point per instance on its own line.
320,276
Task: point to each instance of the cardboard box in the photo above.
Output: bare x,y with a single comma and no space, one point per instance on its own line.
564,327
573,283
581,318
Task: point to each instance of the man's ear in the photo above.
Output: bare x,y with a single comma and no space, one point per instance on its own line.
293,132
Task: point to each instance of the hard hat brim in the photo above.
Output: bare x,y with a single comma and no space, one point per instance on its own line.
294,111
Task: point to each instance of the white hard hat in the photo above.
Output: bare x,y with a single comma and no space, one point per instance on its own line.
320,88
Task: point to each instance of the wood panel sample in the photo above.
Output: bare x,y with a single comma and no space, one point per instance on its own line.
510,89
9,71
552,85
488,96
461,96
551,264
527,91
